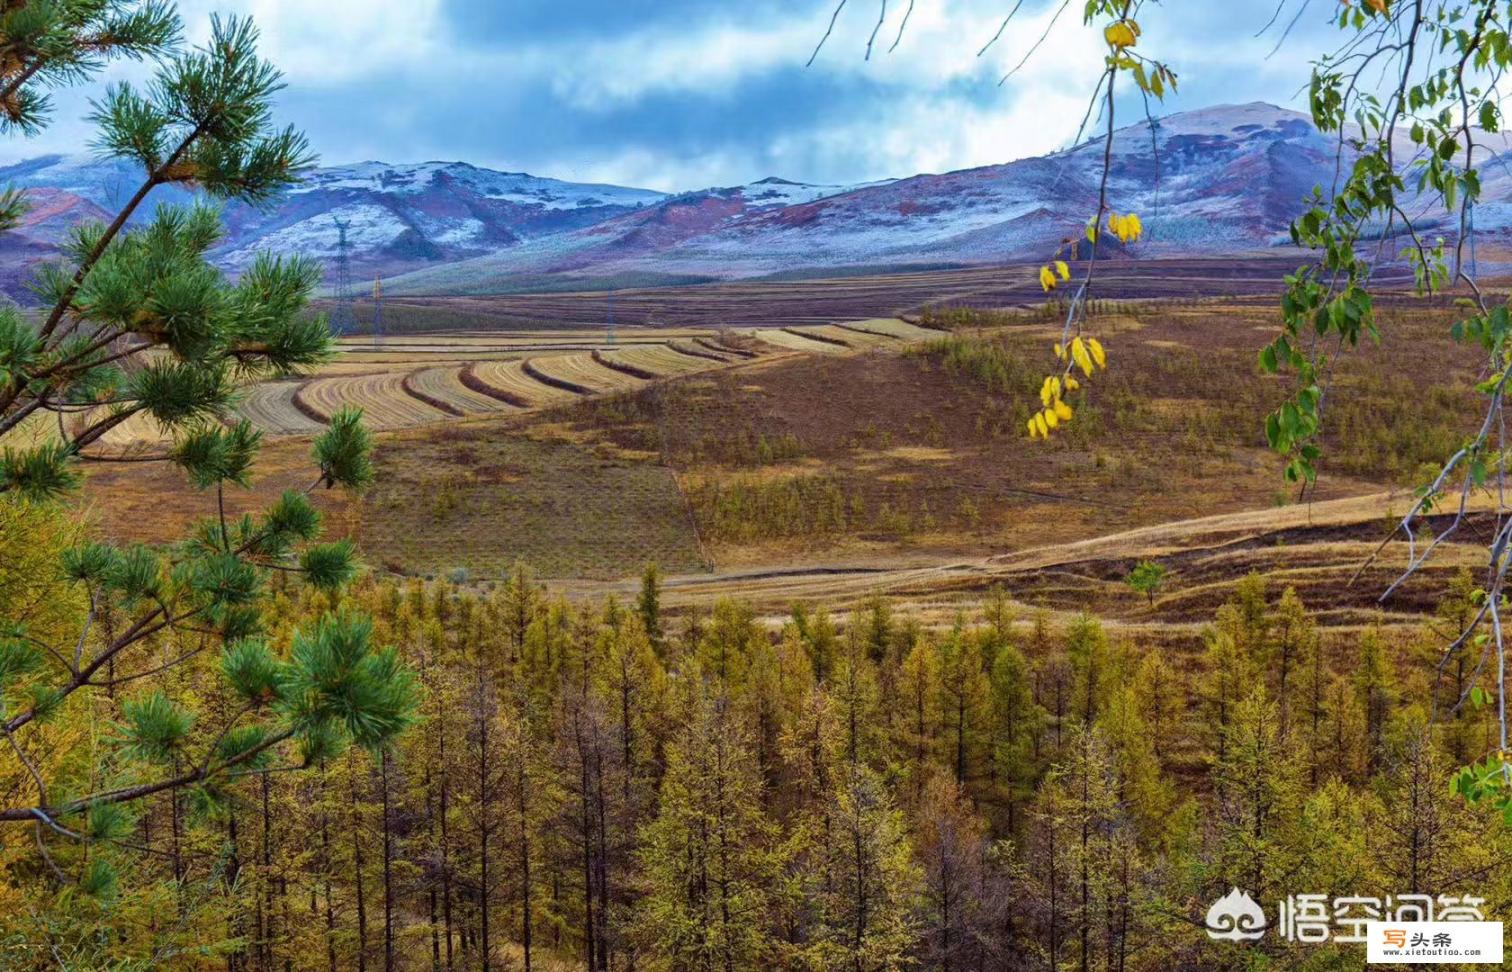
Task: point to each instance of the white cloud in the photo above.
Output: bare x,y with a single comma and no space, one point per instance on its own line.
328,41
938,49
930,105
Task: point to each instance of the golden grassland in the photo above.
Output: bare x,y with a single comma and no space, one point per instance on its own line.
896,464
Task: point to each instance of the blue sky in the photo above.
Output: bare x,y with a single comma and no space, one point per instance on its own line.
681,94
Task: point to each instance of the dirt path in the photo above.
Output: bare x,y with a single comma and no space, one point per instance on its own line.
1316,547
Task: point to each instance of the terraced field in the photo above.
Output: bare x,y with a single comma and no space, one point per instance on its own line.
382,397
579,372
270,406
808,340
893,327
417,380
138,431
509,378
445,386
661,360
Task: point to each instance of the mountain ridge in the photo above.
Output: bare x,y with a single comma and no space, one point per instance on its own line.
1220,180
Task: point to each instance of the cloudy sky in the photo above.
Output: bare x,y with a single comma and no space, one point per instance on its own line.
681,94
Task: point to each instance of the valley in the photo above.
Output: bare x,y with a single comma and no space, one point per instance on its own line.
851,505
770,457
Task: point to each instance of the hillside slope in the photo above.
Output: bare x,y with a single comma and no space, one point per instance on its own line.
1223,180
401,216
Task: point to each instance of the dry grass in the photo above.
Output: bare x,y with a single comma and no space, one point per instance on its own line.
466,497
270,406
792,339
662,360
383,398
581,371
510,379
832,475
444,384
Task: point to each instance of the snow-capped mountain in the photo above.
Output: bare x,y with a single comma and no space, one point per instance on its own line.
399,217
1224,180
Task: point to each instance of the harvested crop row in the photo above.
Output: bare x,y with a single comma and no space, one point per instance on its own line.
582,371
374,360
554,381
440,405
850,337
701,351
446,385
792,341
509,378
270,406
662,360
139,431
815,334
384,402
892,327
625,366
719,347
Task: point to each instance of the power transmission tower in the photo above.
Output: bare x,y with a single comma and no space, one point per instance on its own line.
377,310
343,318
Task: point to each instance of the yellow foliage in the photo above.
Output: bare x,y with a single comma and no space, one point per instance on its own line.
1127,228
1080,356
33,591
1047,278
1124,33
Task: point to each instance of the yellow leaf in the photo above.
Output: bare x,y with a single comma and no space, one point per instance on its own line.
1072,384
1060,352
1119,35
1126,228
1051,419
1040,425
1098,355
1033,429
1062,269
1079,355
1062,410
1379,6
1047,279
